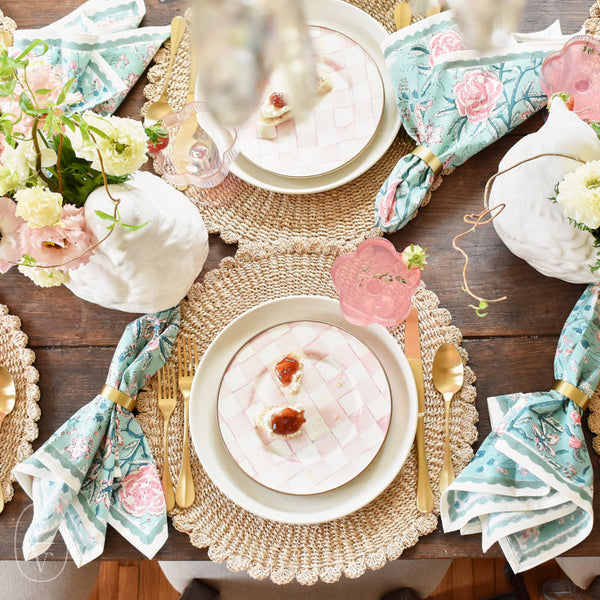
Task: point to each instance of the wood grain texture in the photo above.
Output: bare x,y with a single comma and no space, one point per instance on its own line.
510,350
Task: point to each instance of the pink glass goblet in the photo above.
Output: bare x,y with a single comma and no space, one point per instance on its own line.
200,151
374,284
575,69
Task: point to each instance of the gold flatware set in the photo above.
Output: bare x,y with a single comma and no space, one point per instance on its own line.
448,375
169,380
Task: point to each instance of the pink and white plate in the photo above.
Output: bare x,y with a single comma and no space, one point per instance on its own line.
347,402
338,128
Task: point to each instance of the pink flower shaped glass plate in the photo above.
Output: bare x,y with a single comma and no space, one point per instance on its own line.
200,151
575,69
374,284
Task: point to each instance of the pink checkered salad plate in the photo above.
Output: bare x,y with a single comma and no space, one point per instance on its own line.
359,399
337,129
344,394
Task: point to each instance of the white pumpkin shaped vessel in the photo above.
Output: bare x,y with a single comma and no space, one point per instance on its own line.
150,269
533,226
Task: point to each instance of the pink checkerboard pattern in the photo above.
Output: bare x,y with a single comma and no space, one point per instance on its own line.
339,127
346,398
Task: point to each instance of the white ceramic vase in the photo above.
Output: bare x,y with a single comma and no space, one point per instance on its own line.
533,226
151,269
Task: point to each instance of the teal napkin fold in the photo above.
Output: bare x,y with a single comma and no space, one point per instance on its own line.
530,485
98,469
100,46
452,102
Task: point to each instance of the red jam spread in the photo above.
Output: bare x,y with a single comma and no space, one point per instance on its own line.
276,99
287,421
286,369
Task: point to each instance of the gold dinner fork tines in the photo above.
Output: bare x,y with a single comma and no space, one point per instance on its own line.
186,365
167,399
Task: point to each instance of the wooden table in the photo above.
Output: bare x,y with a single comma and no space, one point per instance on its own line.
510,350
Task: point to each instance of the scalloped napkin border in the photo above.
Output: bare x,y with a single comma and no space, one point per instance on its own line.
365,539
19,428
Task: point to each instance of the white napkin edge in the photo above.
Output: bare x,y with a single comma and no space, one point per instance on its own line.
148,550
417,27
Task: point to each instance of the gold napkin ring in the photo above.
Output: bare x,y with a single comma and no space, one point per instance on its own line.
120,398
572,392
426,155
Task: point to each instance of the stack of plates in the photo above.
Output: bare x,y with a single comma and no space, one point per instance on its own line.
360,405
350,128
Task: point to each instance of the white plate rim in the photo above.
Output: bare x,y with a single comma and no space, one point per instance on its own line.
369,34
252,496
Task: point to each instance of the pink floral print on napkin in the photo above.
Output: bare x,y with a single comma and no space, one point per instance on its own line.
477,94
141,492
445,42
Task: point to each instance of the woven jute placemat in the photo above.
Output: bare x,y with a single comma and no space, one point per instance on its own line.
365,539
19,428
242,213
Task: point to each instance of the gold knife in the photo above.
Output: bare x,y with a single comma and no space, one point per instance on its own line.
412,349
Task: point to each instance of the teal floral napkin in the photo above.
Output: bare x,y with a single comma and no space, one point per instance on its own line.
100,46
529,486
452,102
97,469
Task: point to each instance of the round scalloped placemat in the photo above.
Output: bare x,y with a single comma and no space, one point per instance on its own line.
365,539
242,213
19,428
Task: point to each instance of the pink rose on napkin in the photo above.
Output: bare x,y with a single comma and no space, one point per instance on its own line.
445,42
141,492
477,94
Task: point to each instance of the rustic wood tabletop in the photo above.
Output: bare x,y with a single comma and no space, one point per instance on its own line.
510,350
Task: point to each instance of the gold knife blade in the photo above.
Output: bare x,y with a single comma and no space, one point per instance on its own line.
402,15
412,349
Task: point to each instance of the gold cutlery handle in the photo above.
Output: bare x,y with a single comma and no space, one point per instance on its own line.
184,494
178,26
424,491
447,474
167,482
1,500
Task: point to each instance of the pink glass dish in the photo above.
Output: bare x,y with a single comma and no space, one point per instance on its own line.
374,284
200,151
575,69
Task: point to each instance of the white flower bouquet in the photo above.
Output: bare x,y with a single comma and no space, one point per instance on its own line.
51,160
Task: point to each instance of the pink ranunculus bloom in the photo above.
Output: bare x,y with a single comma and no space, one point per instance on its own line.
141,492
575,442
477,94
575,417
61,243
445,42
10,224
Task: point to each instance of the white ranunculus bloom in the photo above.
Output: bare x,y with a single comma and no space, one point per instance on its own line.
579,194
123,150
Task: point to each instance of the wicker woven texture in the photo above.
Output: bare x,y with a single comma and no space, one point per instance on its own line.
19,428
242,213
367,538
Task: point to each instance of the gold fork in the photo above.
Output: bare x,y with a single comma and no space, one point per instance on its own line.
167,399
186,364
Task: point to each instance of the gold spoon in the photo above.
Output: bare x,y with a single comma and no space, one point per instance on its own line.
402,15
448,374
158,109
7,403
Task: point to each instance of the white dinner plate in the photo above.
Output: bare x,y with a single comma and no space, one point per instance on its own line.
367,33
249,494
